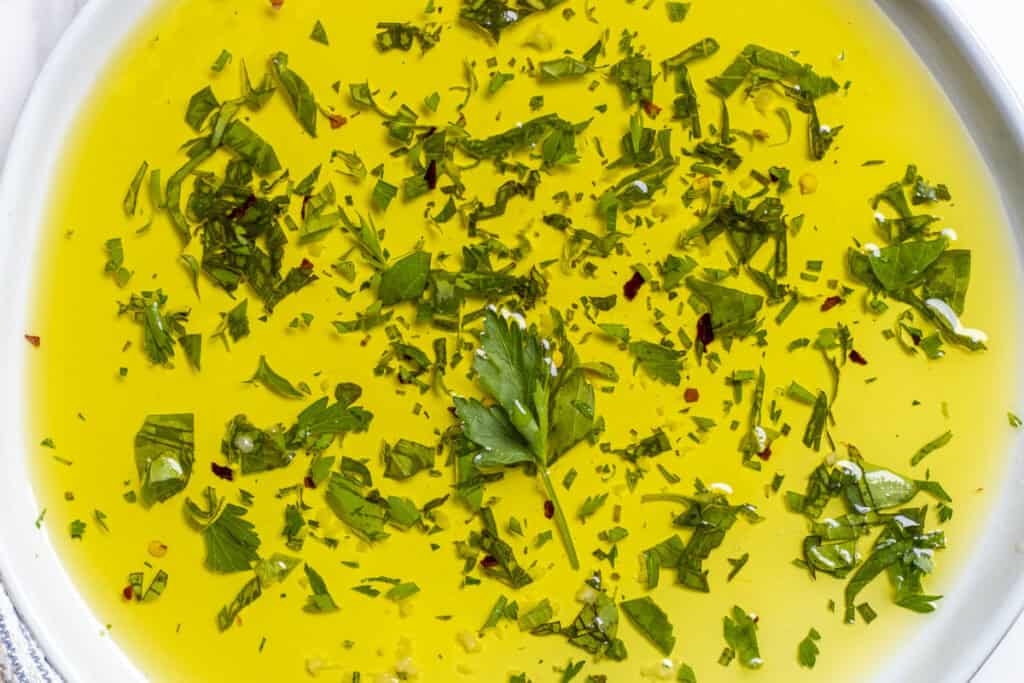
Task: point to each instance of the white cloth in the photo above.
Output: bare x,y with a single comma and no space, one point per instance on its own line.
28,33
21,660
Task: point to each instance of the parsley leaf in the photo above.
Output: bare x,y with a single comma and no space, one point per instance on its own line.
231,540
541,410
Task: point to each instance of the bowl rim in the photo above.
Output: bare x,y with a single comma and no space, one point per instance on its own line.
75,641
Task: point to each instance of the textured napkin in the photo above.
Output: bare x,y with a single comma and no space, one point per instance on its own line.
21,660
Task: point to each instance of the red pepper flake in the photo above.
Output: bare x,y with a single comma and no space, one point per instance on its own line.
831,303
916,338
857,358
33,340
127,592
489,562
309,483
766,453
239,211
276,4
430,177
337,121
705,330
306,264
651,109
225,473
691,395
632,287
549,509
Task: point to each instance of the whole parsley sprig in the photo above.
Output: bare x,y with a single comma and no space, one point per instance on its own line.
541,408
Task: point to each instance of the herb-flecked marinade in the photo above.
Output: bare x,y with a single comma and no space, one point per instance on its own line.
519,340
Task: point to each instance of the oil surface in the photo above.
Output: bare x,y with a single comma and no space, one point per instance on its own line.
893,111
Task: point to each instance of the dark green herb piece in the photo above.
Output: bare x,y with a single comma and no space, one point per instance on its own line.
242,237
807,652
756,59
202,104
115,261
591,505
505,567
319,33
740,633
865,487
570,671
249,593
77,529
933,445
158,328
737,564
733,312
710,517
223,59
904,551
494,16
498,80
164,454
816,424
648,447
536,616
300,97
920,273
595,628
383,193
406,458
657,361
157,585
677,11
402,591
396,36
320,600
365,516
131,198
405,279
651,621
237,321
266,376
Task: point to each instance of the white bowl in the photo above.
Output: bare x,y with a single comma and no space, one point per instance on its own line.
951,645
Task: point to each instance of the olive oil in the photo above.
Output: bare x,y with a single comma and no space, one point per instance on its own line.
892,111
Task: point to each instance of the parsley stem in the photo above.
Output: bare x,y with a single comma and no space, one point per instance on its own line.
563,526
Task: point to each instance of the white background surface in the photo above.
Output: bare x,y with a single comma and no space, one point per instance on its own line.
29,29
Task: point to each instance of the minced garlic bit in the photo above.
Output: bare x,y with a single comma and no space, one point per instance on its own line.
469,642
157,548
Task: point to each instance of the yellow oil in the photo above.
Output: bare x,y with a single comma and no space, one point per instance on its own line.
893,111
